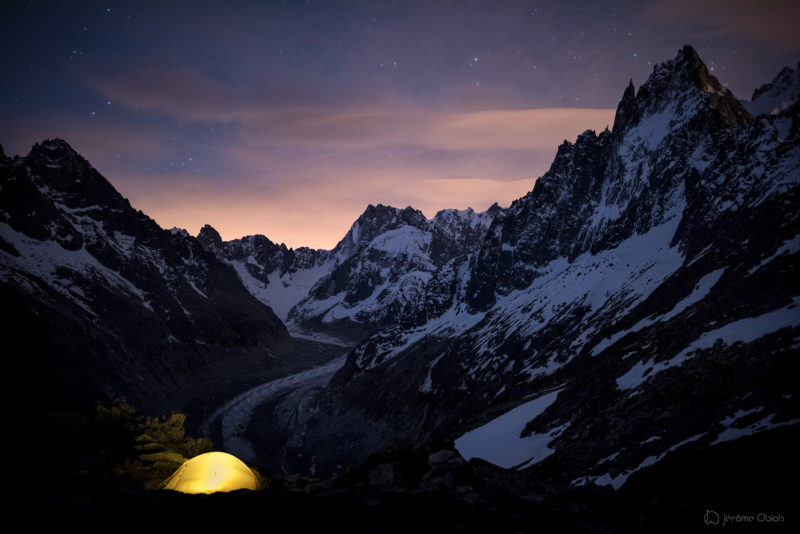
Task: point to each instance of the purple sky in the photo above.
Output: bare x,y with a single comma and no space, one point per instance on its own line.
288,118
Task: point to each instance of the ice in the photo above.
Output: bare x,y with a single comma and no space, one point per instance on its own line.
295,332
236,413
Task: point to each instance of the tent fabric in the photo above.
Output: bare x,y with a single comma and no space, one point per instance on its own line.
212,472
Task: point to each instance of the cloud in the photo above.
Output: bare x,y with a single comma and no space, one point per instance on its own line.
189,96
317,215
102,142
303,111
770,22
329,158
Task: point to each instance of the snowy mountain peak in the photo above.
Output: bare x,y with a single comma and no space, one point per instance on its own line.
683,87
674,77
780,94
175,231
55,145
380,270
444,217
374,221
637,301
141,307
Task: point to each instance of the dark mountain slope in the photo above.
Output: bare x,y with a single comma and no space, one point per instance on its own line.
641,300
101,302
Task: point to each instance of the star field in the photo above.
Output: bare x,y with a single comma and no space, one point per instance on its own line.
250,116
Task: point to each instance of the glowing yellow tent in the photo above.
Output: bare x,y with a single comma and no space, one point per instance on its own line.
211,472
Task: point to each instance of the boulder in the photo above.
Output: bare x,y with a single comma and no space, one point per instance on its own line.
382,475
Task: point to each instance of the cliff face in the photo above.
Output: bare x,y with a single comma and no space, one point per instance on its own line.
104,303
639,300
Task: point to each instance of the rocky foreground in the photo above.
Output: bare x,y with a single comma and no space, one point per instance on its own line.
99,470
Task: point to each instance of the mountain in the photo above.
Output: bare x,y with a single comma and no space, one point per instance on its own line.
276,275
384,266
778,96
640,303
106,303
376,275
631,320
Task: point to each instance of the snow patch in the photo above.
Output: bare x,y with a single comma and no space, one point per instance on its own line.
427,385
500,441
700,291
732,433
616,482
743,330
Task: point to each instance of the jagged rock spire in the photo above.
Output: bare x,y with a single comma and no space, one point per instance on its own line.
209,237
627,112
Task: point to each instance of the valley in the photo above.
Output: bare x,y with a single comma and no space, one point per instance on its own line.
630,319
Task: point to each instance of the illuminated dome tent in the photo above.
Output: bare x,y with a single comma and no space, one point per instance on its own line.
212,472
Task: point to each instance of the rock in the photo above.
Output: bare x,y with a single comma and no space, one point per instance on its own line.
382,475
441,457
150,447
292,481
659,245
191,447
164,456
427,486
448,481
315,487
533,498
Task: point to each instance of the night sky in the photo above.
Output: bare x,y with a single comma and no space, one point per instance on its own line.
288,118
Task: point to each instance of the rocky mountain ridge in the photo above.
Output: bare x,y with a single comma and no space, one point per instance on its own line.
375,276
637,302
106,303
777,96
640,303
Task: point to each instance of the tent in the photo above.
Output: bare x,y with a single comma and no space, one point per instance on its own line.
211,472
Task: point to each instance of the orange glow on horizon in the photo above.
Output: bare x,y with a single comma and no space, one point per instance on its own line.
318,218
449,160
310,190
